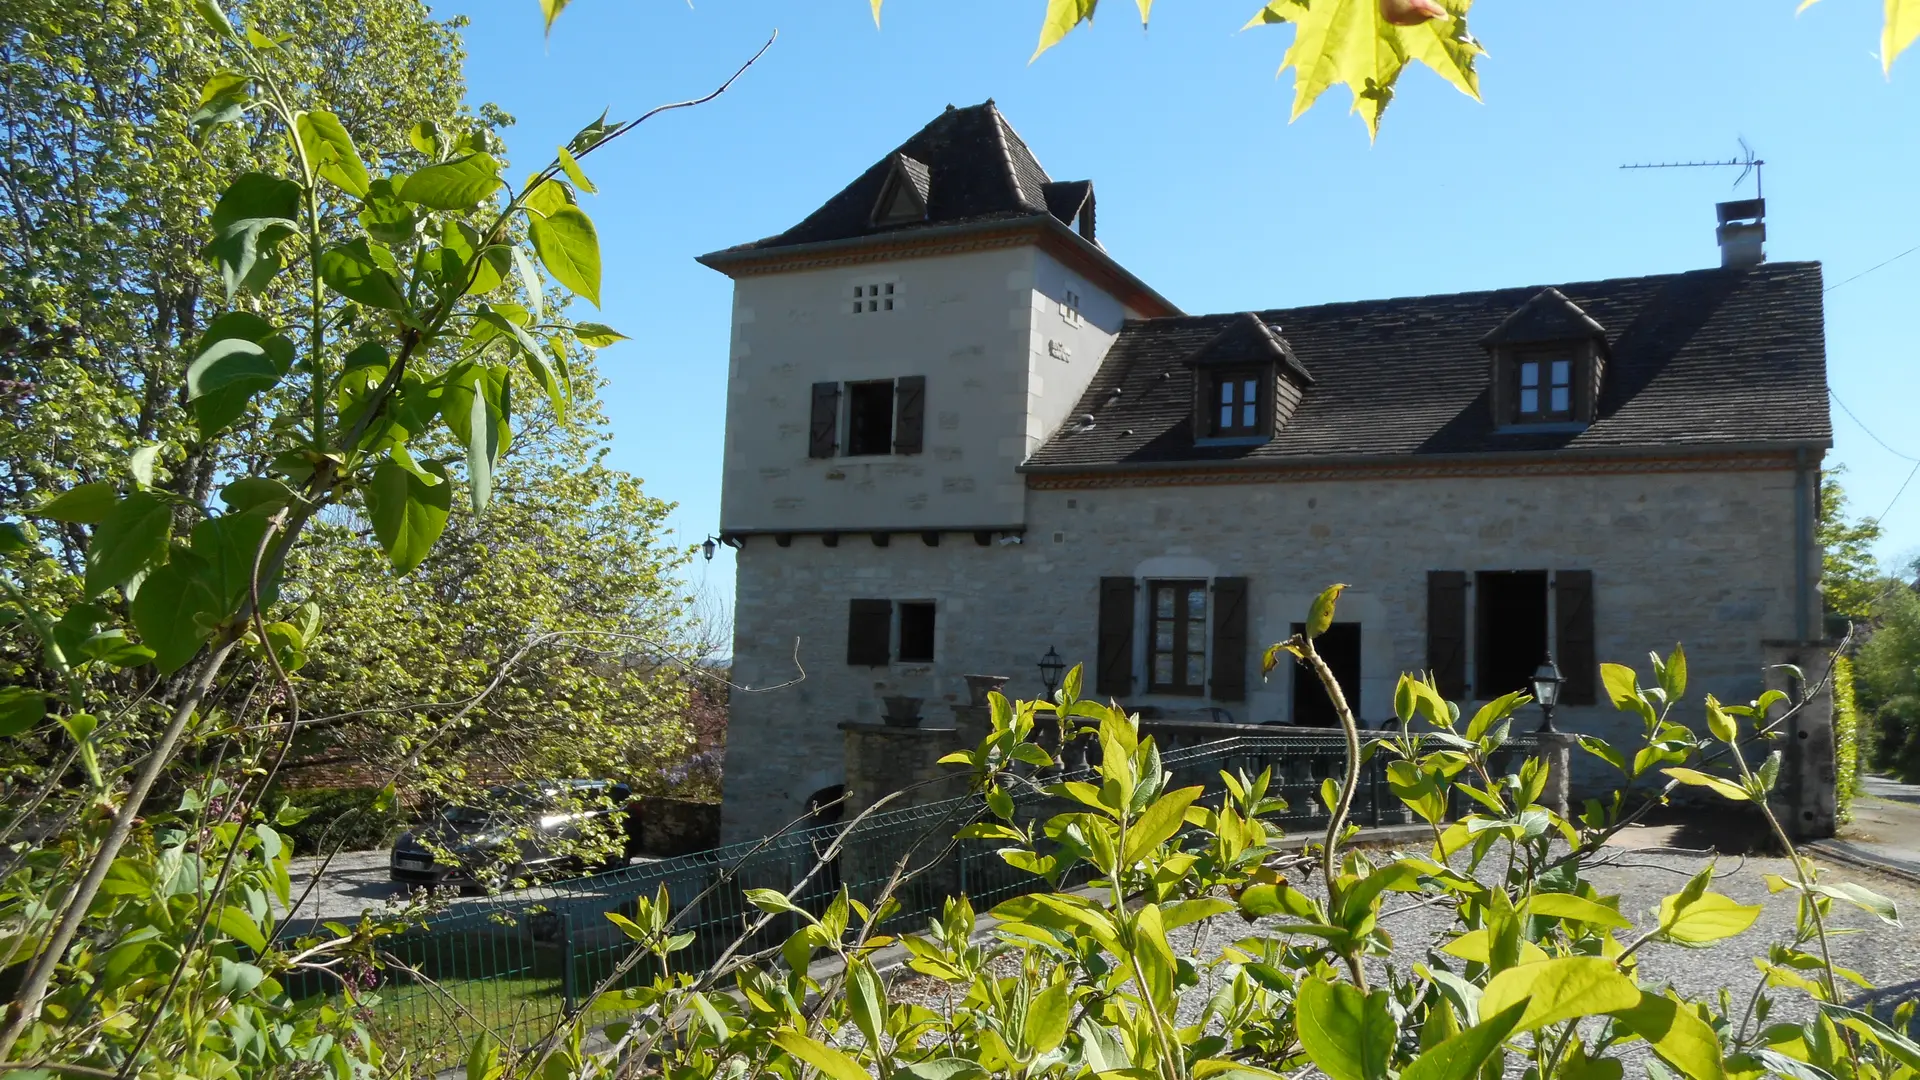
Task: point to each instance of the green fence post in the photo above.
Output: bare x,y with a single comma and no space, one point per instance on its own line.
567,990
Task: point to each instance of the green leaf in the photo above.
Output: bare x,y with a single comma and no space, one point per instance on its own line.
1349,1035
483,1059
255,493
1697,920
230,545
1320,614
1623,686
774,901
1352,43
1158,824
1578,908
831,1062
1559,989
355,271
1699,779
250,219
331,151
559,391
550,197
460,184
167,607
477,405
570,250
21,710
531,282
1719,723
1865,899
387,218
949,1068
13,537
1459,1057
1673,674
1603,750
408,512
132,538
867,1001
239,926
223,378
1902,1048
575,173
596,335
214,18
1062,16
140,464
1047,1018
1677,1034
551,10
237,978
87,504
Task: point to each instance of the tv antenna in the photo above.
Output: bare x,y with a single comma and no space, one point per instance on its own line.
1746,163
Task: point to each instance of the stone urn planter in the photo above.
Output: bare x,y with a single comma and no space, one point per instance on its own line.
901,711
979,686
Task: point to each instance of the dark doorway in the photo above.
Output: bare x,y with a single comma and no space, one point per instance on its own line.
1510,630
1340,648
869,418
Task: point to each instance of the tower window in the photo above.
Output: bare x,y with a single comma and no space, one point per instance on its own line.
870,418
1070,307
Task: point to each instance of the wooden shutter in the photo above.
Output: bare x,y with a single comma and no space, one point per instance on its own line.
1114,678
1230,639
1573,636
909,413
823,435
869,632
1447,632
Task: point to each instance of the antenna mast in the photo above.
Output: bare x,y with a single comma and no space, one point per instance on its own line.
1746,163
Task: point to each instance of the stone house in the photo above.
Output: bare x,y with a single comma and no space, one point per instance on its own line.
960,434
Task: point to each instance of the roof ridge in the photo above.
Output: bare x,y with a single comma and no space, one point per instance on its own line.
1003,132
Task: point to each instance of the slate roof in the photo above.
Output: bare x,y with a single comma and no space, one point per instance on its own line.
977,169
1697,360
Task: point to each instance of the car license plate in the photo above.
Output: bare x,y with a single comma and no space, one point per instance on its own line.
406,863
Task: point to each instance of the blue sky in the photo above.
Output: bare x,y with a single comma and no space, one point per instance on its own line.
1210,195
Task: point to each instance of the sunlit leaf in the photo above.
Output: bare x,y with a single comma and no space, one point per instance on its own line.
1350,42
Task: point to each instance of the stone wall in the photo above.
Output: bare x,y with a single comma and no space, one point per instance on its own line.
1701,557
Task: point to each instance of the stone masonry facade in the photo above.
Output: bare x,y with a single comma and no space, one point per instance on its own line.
1701,558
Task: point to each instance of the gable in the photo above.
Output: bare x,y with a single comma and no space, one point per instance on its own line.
1711,358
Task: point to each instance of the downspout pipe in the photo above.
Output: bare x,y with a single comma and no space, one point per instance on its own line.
1802,546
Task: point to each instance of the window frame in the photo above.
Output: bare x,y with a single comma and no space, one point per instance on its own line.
874,295
1184,620
1233,378
1545,361
851,431
1070,310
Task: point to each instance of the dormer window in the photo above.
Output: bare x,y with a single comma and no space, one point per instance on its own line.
1246,382
1545,388
1237,403
903,197
1548,360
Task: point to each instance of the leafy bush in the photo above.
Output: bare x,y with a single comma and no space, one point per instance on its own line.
1846,738
1531,978
349,818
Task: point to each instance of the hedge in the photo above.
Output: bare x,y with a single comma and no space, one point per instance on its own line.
1846,738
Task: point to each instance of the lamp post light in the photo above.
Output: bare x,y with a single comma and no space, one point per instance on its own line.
1546,690
707,548
1050,668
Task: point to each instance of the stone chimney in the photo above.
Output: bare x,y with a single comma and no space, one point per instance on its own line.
1743,232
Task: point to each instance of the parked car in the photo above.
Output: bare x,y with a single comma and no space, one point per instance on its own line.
516,830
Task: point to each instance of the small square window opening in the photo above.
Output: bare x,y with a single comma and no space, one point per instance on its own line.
874,297
869,418
916,631
1070,307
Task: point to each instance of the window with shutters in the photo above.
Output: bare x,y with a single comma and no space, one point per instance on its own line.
1510,630
916,631
869,418
1177,637
1513,617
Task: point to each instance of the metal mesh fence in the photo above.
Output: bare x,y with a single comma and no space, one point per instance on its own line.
517,963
